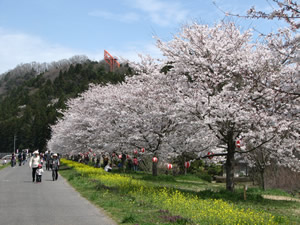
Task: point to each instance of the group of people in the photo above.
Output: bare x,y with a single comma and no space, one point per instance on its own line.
36,163
122,161
21,156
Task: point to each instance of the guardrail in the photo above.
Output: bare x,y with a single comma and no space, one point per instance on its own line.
4,154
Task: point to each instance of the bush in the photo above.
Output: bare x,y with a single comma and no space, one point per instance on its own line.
214,169
205,176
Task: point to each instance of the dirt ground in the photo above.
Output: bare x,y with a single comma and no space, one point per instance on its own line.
274,197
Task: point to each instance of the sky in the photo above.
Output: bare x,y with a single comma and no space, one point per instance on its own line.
51,30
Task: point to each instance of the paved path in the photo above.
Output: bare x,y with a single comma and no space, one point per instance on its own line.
23,202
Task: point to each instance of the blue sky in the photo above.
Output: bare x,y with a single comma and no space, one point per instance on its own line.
50,30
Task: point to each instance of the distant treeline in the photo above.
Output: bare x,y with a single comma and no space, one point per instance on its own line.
31,94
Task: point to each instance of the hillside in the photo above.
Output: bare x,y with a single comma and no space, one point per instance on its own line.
31,93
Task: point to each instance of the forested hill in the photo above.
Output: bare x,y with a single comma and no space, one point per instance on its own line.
30,97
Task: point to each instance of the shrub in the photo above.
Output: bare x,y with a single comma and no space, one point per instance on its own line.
205,176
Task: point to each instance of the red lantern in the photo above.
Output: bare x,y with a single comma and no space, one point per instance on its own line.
135,152
142,150
90,150
170,166
154,159
238,143
127,156
120,156
187,165
210,153
94,154
113,155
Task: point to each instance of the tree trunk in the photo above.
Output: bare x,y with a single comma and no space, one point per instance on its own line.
262,178
154,169
230,167
185,169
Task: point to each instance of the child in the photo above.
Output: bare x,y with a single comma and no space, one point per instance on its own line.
39,173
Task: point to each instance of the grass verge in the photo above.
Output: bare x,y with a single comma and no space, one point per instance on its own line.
128,208
122,208
3,166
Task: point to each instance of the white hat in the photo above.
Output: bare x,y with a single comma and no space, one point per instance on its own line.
54,154
36,152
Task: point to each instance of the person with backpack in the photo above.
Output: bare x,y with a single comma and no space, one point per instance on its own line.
20,158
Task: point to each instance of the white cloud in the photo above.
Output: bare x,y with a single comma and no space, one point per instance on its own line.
127,17
161,12
17,48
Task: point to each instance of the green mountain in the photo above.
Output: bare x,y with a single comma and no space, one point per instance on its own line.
31,94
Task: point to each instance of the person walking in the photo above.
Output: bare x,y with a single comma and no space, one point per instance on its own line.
13,160
24,157
20,158
39,173
34,163
48,160
55,166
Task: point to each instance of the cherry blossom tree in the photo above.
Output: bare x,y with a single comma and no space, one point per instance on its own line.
288,10
215,86
286,86
140,113
225,71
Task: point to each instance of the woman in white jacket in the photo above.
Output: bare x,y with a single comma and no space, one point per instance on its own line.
34,162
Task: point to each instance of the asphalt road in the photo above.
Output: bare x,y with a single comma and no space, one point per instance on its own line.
23,202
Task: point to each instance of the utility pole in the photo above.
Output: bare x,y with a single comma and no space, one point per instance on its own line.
15,138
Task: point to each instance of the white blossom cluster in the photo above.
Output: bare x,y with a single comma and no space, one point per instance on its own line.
214,87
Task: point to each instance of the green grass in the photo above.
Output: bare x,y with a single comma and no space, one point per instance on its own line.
277,192
3,166
126,210
182,182
119,206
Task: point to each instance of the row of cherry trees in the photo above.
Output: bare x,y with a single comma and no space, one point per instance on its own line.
215,86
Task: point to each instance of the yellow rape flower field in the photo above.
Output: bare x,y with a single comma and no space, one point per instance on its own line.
188,208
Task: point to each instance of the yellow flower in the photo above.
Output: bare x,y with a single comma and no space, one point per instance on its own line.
210,211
